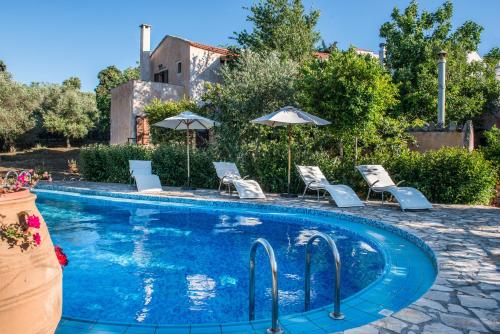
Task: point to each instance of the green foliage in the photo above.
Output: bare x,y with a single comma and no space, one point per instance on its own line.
17,105
67,111
449,175
169,162
158,111
109,78
492,149
3,66
110,164
355,93
282,26
413,40
257,84
105,163
72,83
492,57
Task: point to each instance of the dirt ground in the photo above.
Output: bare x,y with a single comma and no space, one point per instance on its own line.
53,160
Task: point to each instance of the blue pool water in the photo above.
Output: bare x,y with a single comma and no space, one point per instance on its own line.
180,263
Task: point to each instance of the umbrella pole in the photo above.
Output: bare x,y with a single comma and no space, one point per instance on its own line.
187,151
289,156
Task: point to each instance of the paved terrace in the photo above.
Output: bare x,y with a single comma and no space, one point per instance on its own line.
465,297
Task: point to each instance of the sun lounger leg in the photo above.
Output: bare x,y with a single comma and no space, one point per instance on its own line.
304,193
318,193
368,195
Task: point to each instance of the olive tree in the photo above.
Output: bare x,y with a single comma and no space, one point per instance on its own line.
68,112
17,105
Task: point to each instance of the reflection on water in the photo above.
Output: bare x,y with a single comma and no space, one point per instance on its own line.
173,264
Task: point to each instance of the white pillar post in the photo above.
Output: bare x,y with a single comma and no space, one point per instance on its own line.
441,88
145,52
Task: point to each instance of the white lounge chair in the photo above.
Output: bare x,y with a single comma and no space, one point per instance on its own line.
379,181
229,175
141,173
341,194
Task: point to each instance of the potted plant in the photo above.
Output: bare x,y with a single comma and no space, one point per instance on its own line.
30,270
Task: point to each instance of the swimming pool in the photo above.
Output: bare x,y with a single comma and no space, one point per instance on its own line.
186,262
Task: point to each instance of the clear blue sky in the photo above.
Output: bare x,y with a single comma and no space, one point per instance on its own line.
51,40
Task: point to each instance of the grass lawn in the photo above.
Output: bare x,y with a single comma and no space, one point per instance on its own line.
53,160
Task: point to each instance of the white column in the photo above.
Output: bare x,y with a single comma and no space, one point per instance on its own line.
145,52
441,88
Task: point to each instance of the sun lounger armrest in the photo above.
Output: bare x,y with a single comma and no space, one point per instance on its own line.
371,185
397,184
246,176
309,184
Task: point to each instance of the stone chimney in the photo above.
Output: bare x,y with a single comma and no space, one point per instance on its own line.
381,53
441,88
145,52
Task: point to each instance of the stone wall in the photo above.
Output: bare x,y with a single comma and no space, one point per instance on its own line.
434,140
204,67
121,127
128,102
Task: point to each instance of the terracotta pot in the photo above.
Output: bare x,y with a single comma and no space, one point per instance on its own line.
30,280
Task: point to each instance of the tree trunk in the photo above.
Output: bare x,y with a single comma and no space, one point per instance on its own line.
68,144
341,149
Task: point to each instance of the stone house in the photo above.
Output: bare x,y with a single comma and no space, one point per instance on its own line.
176,68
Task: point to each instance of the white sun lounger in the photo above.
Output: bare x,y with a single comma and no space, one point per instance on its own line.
141,173
379,181
229,175
341,194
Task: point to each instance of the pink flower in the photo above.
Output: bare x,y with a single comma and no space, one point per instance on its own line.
22,178
33,221
37,239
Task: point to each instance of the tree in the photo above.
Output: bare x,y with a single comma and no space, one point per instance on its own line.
355,93
282,26
110,78
3,66
413,40
17,104
158,111
493,56
257,84
73,83
68,112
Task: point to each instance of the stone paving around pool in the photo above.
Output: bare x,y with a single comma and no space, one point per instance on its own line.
465,297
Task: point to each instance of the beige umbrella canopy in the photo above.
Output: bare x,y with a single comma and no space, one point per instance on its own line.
187,120
289,116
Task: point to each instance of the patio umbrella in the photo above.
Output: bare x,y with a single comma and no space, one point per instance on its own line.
187,120
288,116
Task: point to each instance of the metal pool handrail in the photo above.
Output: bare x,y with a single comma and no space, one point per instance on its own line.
275,328
336,314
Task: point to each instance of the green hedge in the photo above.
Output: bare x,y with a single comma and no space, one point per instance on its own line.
449,175
105,163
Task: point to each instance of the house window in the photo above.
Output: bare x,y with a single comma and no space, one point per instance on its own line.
161,76
179,67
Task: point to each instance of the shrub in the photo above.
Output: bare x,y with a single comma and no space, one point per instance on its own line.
492,149
169,162
105,163
449,175
110,164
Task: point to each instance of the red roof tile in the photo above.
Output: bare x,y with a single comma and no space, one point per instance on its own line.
321,55
210,48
